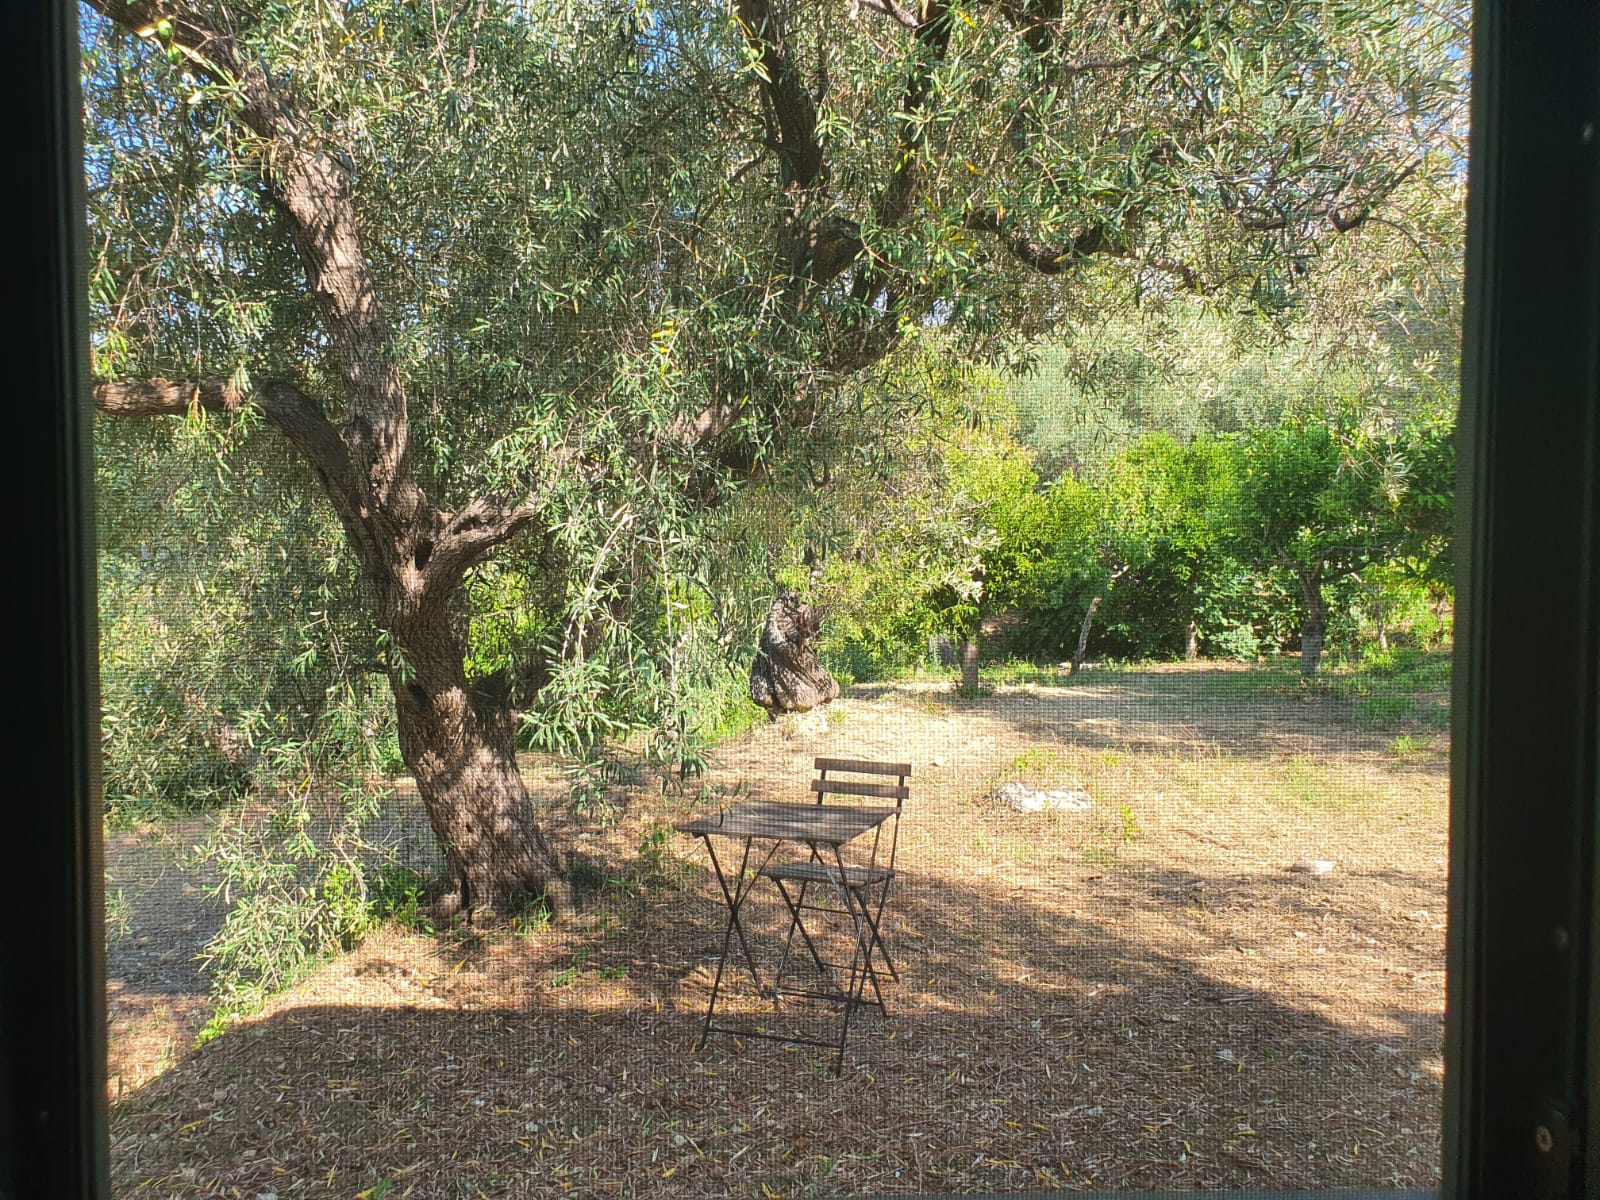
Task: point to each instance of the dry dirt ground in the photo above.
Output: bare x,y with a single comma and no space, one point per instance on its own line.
1141,995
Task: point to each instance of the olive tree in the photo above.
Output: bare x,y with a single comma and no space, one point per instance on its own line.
551,280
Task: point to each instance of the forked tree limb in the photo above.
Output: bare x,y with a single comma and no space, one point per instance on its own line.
312,191
294,413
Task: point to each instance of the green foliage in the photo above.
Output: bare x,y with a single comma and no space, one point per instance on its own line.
625,298
118,916
531,920
302,878
1237,642
398,895
1403,686
1035,764
658,865
1223,533
227,613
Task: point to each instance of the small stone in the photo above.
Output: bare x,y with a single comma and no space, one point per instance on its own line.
1026,799
1313,866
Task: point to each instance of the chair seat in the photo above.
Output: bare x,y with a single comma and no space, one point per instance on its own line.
818,872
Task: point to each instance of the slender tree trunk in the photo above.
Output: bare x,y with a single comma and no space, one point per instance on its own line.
1083,637
1315,627
969,663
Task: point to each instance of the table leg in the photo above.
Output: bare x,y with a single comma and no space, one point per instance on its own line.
743,882
876,920
735,900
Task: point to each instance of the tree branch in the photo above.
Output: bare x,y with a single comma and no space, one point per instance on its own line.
1073,253
312,190
167,398
888,8
473,531
931,41
288,409
787,98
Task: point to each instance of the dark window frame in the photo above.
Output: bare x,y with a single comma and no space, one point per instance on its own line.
1523,987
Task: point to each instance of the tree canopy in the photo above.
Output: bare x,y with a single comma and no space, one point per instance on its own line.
543,285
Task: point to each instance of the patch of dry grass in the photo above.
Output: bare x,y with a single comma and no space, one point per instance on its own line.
1143,995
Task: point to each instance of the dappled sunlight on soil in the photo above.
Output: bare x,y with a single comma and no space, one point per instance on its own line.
1147,994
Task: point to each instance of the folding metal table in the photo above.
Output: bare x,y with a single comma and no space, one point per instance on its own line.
824,830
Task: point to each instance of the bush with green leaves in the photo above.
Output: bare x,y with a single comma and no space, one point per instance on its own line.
226,611
304,875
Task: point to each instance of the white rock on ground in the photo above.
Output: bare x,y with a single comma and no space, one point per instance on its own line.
1313,866
1026,799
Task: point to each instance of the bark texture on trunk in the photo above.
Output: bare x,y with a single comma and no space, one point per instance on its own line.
465,763
1315,629
786,675
970,680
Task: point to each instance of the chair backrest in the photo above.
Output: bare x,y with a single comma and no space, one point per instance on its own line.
833,781
839,779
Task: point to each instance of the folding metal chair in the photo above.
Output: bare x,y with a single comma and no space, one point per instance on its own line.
860,892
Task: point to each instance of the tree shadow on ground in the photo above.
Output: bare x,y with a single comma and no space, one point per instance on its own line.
1027,1046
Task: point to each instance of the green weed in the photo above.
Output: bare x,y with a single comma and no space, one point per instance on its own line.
215,1027
1402,685
568,974
1383,709
398,895
1016,672
118,919
1036,760
657,865
532,920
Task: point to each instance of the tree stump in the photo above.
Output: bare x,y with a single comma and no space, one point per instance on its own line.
787,676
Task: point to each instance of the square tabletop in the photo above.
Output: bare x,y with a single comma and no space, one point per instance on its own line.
829,824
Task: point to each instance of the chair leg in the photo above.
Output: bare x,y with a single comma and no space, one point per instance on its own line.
877,938
795,923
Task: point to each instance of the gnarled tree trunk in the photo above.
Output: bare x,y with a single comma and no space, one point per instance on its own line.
786,675
464,760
